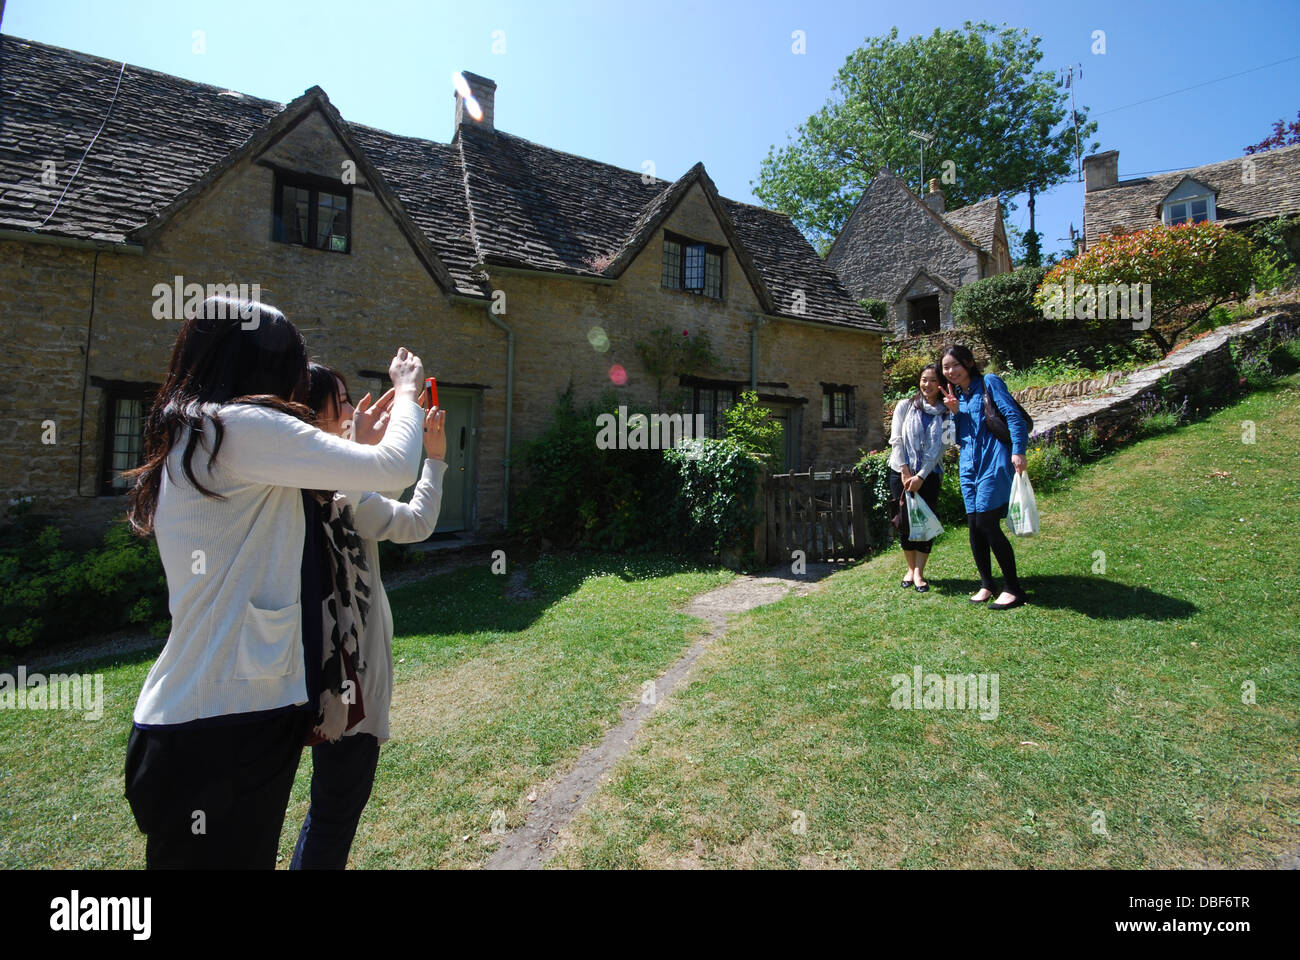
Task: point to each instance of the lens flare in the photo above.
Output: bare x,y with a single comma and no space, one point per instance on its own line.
618,375
598,339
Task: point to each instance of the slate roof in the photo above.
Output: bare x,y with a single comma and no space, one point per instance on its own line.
978,221
1135,204
485,197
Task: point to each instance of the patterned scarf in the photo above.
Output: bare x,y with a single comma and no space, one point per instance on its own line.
344,609
918,439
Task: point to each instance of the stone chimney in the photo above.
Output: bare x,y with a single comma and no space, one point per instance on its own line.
1100,170
935,198
483,91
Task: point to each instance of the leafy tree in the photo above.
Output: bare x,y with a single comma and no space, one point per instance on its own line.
1001,123
751,426
1001,311
1284,135
1191,269
1033,250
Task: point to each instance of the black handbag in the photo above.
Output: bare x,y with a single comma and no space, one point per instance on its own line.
998,423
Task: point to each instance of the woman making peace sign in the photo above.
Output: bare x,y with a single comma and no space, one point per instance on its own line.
985,469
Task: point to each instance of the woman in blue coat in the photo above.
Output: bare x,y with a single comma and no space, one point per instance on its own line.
985,469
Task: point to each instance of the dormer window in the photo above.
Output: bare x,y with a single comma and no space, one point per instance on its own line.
692,266
1189,202
313,212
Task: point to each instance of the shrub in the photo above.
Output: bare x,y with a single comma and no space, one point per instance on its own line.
51,593
1191,268
750,425
718,486
877,310
1001,311
1279,238
904,374
577,494
873,469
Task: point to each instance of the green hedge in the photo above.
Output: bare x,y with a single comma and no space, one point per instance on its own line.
49,594
1001,311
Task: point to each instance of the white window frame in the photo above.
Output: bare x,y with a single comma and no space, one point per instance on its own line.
1185,207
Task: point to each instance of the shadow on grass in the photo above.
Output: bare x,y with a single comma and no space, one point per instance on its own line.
1094,597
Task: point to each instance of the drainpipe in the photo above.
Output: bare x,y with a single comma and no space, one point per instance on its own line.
753,354
510,405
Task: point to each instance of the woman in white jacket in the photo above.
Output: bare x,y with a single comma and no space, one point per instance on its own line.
344,762
916,463
229,448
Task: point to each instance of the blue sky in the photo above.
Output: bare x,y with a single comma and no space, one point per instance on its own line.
712,80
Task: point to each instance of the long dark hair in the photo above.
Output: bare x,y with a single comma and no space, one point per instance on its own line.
323,389
918,398
961,353
234,351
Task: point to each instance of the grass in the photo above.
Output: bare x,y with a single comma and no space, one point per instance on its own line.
492,696
1122,738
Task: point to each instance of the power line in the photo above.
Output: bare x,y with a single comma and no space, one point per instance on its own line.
1194,86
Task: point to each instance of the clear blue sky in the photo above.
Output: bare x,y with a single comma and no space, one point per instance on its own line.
676,82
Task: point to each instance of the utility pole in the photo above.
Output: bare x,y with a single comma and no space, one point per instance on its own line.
1067,74
925,138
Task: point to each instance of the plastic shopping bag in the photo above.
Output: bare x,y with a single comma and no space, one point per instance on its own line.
1022,511
921,522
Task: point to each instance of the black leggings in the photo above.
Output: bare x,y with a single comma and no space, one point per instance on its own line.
986,533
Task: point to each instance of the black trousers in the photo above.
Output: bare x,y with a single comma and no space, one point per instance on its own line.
214,798
342,775
985,535
929,493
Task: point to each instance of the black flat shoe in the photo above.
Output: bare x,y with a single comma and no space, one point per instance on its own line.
923,589
978,602
1017,602
906,584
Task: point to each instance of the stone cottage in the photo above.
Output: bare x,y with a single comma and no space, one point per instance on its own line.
913,254
513,269
1234,192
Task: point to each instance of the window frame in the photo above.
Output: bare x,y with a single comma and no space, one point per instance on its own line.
315,186
829,393
114,393
1185,203
685,244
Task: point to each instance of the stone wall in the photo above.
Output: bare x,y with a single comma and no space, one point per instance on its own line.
887,239
1204,364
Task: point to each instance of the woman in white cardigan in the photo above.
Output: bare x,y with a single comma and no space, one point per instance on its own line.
229,447
916,463
344,762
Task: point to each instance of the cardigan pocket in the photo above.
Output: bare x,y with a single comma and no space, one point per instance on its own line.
270,643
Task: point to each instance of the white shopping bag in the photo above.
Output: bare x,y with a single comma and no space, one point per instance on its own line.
1022,511
922,524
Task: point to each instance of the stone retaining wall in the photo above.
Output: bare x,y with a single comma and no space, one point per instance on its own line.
1204,364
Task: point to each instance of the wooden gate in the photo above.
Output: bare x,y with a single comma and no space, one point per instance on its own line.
821,514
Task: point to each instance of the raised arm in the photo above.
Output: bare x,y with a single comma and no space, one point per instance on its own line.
377,517
262,445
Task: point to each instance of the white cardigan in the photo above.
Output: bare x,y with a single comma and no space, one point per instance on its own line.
234,566
376,517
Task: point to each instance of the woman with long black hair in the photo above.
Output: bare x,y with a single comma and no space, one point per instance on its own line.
229,448
985,469
916,463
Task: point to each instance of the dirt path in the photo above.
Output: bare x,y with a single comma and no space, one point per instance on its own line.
529,846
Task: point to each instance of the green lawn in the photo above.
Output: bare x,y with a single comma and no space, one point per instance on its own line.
492,696
1119,692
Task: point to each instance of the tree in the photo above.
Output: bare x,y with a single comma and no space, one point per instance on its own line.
1284,135
999,125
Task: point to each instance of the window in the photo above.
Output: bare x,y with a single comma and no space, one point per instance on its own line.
837,405
1193,210
313,212
127,406
692,267
712,402
923,315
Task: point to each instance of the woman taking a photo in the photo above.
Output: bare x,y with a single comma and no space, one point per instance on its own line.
985,465
916,464
229,446
345,759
